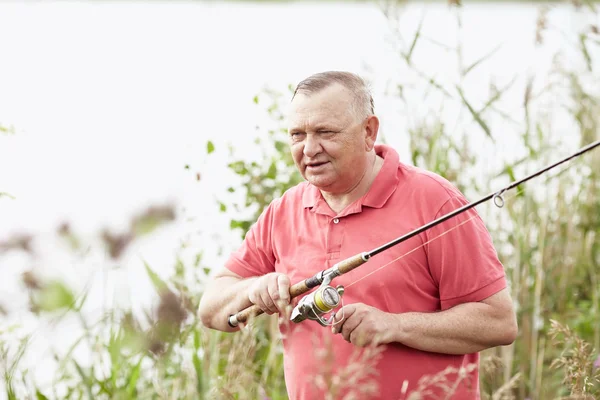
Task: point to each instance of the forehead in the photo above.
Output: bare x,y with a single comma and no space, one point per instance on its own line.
330,105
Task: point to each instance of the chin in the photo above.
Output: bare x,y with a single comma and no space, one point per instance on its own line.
320,182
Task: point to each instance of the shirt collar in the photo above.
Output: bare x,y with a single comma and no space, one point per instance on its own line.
381,189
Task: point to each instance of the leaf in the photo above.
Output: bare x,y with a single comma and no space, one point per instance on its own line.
160,285
39,395
222,207
496,96
415,39
4,194
67,356
280,146
475,114
255,99
85,379
135,375
81,301
8,131
197,361
482,59
511,173
55,296
584,49
272,172
210,147
197,261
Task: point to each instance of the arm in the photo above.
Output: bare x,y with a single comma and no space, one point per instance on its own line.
463,329
247,278
226,294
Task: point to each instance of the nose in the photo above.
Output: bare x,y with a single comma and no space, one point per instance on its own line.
312,147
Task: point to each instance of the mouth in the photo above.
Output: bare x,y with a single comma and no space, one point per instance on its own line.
315,165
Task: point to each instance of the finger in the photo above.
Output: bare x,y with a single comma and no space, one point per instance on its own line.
273,291
256,299
350,325
254,294
270,307
341,316
283,282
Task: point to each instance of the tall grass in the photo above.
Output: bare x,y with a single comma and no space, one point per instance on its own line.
549,236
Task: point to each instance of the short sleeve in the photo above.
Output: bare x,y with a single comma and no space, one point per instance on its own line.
463,261
255,255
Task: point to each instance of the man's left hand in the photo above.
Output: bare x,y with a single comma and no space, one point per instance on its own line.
363,325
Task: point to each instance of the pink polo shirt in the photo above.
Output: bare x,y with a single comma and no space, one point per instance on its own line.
299,235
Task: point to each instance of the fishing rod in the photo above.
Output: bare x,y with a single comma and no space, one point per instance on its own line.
326,298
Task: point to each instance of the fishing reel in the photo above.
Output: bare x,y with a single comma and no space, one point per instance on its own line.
318,303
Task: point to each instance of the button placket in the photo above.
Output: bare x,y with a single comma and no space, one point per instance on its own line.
334,237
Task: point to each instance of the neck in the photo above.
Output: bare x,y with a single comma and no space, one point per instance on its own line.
338,201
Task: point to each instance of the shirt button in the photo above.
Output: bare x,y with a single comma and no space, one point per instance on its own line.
336,220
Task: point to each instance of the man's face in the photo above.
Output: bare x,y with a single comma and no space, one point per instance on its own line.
329,143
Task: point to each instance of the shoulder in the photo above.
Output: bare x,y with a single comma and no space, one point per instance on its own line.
427,186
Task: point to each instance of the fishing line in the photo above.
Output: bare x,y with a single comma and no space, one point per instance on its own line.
427,242
499,201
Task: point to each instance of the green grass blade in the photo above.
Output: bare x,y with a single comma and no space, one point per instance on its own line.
198,367
497,96
135,376
160,285
4,194
480,60
84,379
408,56
475,114
584,50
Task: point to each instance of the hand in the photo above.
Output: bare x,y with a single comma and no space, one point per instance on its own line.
364,325
271,292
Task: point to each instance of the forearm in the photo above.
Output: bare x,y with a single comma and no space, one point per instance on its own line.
226,296
464,329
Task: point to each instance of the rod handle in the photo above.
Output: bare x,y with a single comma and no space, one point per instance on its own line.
254,310
349,264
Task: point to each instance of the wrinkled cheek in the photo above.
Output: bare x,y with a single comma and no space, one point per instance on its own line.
297,157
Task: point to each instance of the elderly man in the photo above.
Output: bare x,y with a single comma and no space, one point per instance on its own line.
440,301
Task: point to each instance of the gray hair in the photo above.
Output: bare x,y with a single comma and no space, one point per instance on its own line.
363,104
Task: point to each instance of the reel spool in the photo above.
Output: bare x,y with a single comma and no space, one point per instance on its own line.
319,302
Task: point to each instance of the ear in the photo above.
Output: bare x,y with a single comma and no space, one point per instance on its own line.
371,130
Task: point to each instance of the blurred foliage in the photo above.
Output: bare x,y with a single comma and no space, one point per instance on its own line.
266,180
7,130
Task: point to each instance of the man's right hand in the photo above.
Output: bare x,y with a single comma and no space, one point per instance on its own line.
271,292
